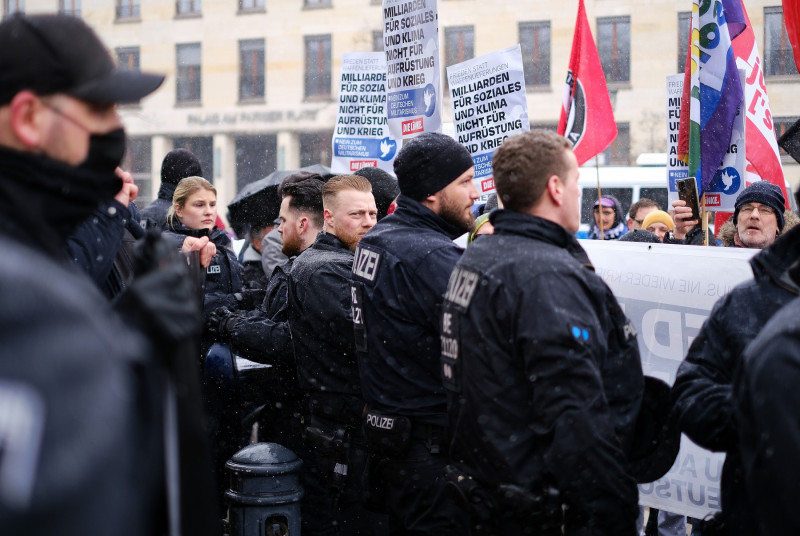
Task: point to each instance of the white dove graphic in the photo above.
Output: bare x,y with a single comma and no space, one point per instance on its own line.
727,180
428,96
386,146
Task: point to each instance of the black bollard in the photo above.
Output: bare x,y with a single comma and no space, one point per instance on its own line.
265,491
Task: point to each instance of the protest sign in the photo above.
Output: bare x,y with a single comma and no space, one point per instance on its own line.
411,46
361,136
668,291
728,180
489,105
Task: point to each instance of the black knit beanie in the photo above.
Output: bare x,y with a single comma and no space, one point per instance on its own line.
765,193
179,164
384,188
428,163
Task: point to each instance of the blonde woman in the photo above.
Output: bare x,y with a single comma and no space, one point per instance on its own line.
194,213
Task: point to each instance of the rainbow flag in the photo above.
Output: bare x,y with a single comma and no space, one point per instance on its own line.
712,87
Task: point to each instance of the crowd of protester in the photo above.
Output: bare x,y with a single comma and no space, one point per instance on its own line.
428,388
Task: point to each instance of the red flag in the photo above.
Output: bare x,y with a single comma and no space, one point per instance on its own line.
791,16
763,157
587,119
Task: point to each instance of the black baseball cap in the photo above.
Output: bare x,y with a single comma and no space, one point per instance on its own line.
51,53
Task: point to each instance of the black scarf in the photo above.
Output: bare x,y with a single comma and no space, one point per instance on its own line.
42,201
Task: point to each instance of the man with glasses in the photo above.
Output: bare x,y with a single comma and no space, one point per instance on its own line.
704,382
639,211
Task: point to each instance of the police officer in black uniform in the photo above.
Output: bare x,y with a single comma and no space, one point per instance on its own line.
400,275
541,366
321,325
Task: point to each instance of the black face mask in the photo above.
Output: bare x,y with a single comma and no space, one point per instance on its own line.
105,151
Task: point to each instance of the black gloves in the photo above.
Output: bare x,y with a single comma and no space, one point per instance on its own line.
221,322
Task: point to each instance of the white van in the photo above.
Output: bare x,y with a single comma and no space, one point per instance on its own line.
627,184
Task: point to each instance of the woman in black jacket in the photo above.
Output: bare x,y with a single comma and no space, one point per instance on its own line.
194,213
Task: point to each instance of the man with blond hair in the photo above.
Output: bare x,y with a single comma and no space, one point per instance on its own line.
320,322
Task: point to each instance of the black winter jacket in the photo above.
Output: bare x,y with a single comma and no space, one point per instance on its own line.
320,320
81,394
262,335
223,275
766,398
543,373
400,275
103,246
155,214
703,385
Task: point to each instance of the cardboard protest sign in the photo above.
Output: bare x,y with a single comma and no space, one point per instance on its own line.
361,135
668,291
489,105
729,179
411,46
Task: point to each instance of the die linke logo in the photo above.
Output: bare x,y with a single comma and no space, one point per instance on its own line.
355,165
713,200
412,126
487,184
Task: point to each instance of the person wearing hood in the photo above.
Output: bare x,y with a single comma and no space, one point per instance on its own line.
703,389
399,277
608,214
82,382
177,164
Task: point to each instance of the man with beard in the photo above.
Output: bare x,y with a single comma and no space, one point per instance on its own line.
399,277
320,320
263,335
82,384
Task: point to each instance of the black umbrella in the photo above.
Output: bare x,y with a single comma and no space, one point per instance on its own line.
258,203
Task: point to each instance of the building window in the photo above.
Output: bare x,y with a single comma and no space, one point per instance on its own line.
252,5
377,41
70,7
614,47
619,152
317,3
256,157
138,161
251,69
128,58
315,148
778,57
14,6
188,85
203,148
318,66
534,39
188,7
684,28
781,125
127,9
459,46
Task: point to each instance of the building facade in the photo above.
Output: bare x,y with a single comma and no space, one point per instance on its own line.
251,84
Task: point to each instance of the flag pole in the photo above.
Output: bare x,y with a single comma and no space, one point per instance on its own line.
704,220
599,195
